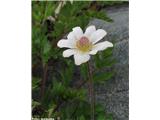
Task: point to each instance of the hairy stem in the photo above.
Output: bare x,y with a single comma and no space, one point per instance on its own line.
91,91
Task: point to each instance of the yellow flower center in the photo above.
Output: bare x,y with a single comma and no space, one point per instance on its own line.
84,44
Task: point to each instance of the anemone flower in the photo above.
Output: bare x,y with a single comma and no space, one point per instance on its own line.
82,45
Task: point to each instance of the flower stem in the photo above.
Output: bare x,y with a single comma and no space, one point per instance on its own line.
91,91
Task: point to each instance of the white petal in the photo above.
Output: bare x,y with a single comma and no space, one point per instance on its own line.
77,32
101,46
81,58
65,43
90,30
93,52
69,52
97,35
71,36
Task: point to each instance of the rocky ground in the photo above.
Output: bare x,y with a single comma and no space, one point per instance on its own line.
114,94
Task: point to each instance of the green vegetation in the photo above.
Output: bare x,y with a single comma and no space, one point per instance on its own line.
58,86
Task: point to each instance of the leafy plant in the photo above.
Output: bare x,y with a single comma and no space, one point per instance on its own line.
58,87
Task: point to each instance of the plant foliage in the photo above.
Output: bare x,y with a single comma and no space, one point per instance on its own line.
58,86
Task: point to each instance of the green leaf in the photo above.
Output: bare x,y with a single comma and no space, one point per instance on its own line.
35,104
101,117
35,83
98,14
100,112
104,59
50,110
103,76
82,117
59,88
83,70
109,117
99,108
67,73
49,9
47,48
59,29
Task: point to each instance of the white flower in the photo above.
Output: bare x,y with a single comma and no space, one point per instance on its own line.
82,45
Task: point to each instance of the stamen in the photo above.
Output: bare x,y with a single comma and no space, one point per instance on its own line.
84,44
